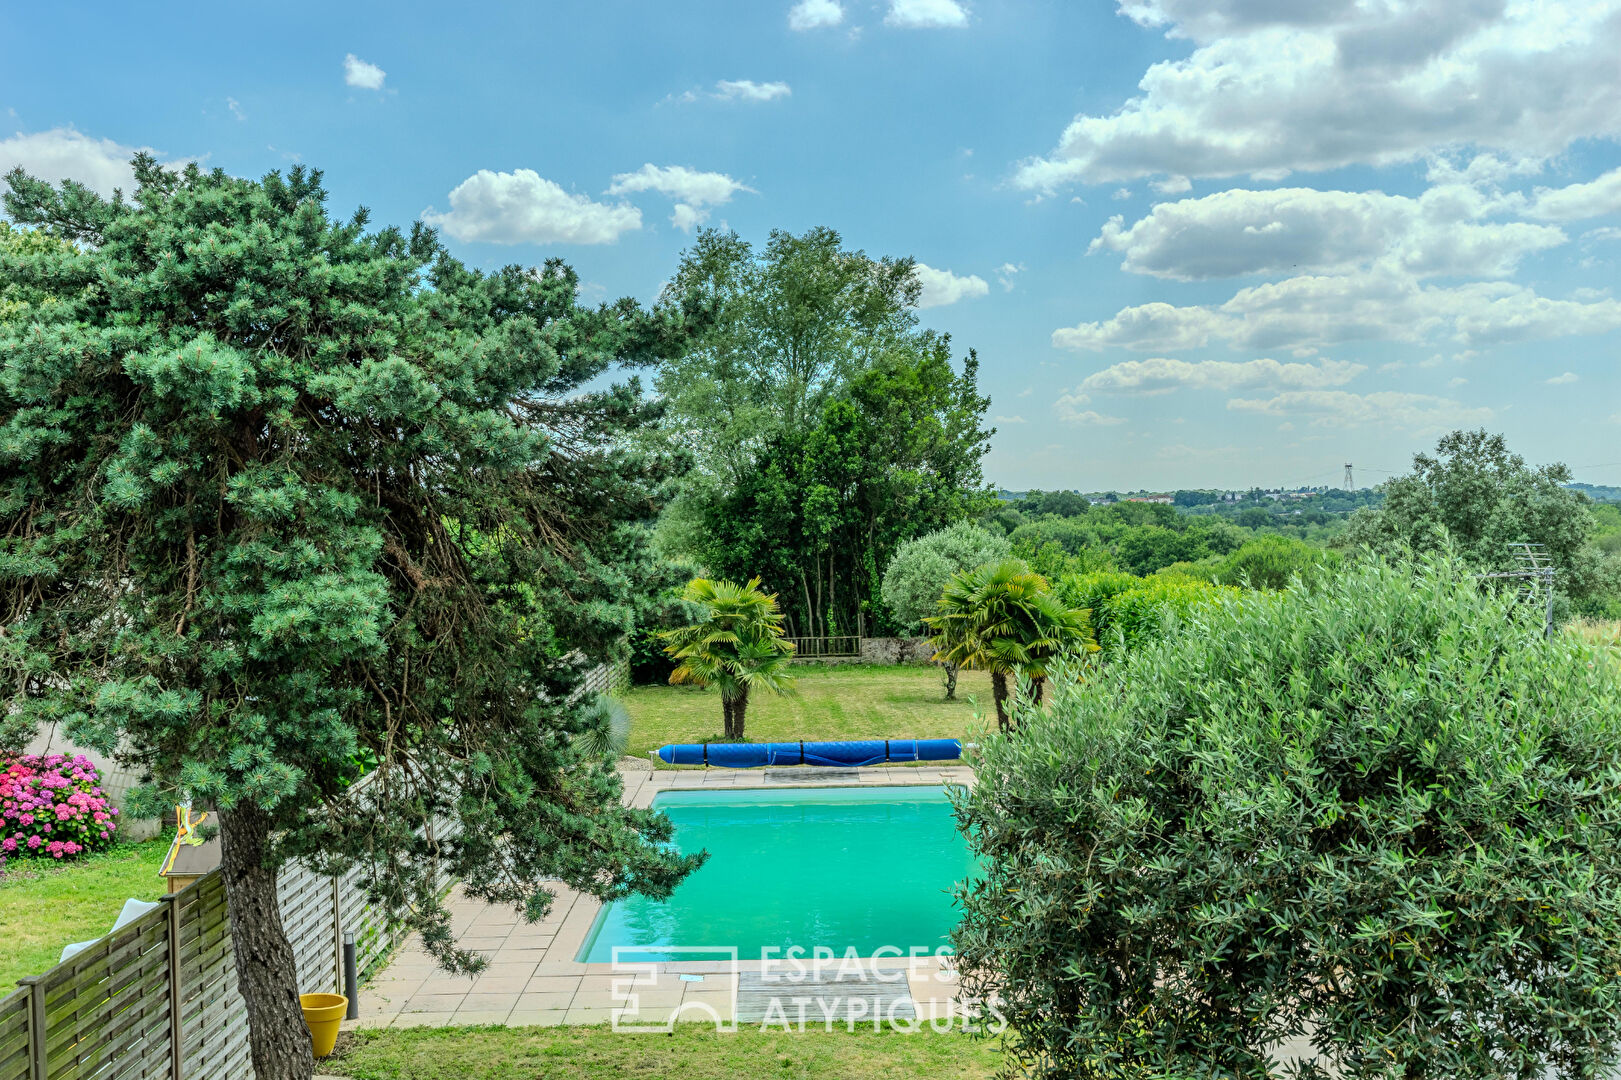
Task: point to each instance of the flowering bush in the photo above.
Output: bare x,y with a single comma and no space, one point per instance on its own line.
53,805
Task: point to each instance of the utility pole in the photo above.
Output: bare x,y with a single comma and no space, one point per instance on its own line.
1350,485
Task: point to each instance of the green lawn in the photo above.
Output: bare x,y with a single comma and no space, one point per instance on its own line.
45,905
692,1052
828,702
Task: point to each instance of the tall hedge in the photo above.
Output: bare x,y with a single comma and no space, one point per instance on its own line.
1383,813
1129,611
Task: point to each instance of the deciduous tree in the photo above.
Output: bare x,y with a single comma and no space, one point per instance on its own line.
921,568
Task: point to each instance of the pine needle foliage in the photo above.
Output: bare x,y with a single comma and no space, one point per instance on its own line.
286,503
1384,814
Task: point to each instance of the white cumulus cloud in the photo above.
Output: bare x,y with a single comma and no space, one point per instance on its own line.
941,287
1341,408
1272,87
1071,410
1161,375
1374,305
1242,232
751,91
1593,199
357,72
65,154
815,14
523,207
926,13
694,192
1563,380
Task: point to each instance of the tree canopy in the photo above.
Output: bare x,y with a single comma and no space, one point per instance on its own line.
1477,496
288,503
922,567
826,426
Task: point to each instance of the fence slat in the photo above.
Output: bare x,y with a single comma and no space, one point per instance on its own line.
157,999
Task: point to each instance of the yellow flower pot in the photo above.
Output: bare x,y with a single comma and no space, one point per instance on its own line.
322,1014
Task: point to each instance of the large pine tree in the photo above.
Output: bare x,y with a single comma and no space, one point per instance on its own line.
284,504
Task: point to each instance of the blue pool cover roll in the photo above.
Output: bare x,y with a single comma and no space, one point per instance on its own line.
845,754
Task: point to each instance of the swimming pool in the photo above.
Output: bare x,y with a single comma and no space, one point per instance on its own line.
837,868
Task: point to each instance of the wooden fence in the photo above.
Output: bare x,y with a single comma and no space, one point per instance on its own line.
157,999
820,648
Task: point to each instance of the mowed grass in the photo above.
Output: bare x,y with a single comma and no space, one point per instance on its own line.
45,904
828,703
691,1052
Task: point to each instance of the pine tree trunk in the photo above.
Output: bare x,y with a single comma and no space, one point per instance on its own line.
999,694
738,708
951,681
265,972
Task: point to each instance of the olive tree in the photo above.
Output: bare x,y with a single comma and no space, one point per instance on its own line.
1382,814
918,574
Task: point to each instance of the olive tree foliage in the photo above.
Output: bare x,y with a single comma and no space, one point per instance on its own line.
921,568
1384,814
1476,496
287,504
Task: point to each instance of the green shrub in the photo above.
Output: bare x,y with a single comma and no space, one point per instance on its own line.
1128,610
1198,571
1386,812
1142,614
1093,592
1272,562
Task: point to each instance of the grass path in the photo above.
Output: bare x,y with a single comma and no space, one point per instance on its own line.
829,702
692,1052
44,905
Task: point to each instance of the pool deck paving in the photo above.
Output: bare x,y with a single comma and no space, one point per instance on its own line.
534,978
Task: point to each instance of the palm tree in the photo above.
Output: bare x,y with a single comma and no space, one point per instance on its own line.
736,644
1003,618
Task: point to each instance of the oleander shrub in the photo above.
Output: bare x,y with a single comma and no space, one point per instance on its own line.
52,805
1384,814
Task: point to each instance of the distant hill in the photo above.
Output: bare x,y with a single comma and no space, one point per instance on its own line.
1599,492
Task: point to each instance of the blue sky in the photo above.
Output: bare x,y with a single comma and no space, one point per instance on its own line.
1222,243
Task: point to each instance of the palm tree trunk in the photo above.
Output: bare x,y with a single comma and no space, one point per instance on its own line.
739,707
951,680
1038,684
999,694
726,713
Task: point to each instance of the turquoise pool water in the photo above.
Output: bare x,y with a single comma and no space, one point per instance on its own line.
837,868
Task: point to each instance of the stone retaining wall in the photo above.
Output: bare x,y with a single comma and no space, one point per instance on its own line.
895,650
